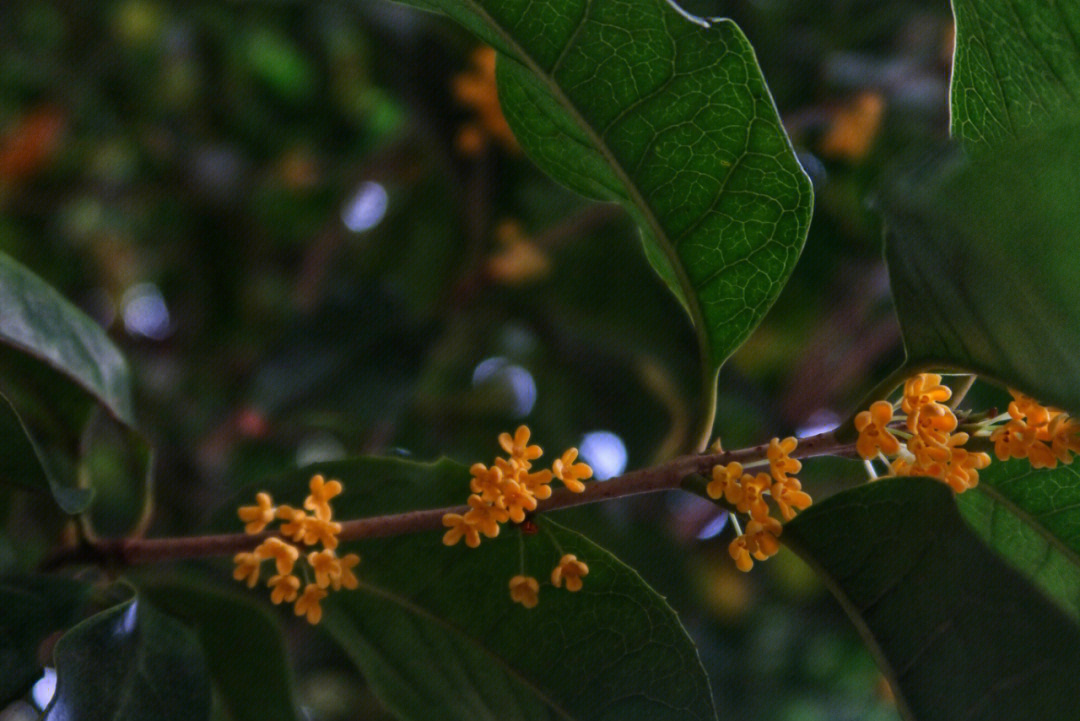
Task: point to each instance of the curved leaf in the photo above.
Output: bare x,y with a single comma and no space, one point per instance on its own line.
959,634
243,646
983,263
25,463
1016,67
433,627
1032,518
633,103
35,319
128,663
31,608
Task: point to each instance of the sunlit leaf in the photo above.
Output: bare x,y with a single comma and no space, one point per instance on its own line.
1032,517
957,632
1016,68
129,663
636,104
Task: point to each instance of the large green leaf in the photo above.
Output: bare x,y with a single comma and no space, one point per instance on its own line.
56,368
1016,67
437,636
633,103
983,259
243,646
35,319
128,663
31,608
959,634
1032,518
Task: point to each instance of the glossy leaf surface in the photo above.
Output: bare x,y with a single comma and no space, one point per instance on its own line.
631,102
958,633
35,319
130,662
243,646
32,608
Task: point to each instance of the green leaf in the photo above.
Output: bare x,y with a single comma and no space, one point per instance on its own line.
1016,68
983,263
958,633
128,663
26,464
56,367
433,627
635,104
31,608
243,646
36,320
1032,518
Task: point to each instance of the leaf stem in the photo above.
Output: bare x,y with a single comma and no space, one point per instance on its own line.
664,477
709,391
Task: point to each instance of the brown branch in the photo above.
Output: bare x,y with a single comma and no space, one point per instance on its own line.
664,477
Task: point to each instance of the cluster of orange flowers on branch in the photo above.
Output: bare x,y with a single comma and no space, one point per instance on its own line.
926,438
748,492
508,491
310,527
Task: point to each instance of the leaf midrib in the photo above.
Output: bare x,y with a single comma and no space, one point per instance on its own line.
688,291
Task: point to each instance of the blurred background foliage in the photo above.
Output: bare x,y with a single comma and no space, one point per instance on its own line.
305,225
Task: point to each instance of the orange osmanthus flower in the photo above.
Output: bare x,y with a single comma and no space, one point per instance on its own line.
780,462
518,448
525,590
874,435
571,474
460,528
321,493
284,555
571,570
247,568
285,588
308,603
256,517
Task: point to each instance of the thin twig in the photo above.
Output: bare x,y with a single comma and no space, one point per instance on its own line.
664,477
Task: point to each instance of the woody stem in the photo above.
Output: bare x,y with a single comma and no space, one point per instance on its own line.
664,477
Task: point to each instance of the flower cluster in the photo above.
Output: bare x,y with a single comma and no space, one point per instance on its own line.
476,88
919,435
925,441
312,525
1042,435
747,492
510,489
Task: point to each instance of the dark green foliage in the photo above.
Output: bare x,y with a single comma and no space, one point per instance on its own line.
959,634
129,663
